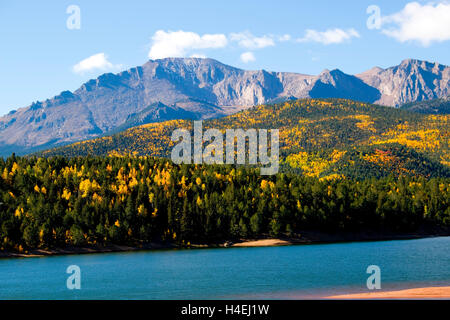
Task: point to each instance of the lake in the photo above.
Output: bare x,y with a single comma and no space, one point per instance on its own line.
289,272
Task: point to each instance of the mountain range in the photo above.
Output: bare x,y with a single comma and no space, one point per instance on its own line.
195,88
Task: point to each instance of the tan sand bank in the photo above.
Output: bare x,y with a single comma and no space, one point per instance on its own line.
416,293
262,243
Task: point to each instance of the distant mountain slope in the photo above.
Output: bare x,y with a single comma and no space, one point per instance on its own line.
412,80
318,137
435,106
336,84
155,113
201,88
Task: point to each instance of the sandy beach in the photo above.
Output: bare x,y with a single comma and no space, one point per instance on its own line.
150,246
262,243
416,293
305,238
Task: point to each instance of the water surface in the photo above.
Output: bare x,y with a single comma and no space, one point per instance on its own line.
300,271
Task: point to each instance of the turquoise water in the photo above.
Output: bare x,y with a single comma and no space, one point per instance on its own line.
249,273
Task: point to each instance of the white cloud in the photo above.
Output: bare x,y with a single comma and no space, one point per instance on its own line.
284,38
330,36
180,43
185,44
422,23
97,61
198,55
249,41
247,57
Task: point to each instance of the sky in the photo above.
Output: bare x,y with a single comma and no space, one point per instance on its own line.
51,46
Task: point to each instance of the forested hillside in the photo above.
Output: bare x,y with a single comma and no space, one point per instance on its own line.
435,106
345,167
324,138
58,202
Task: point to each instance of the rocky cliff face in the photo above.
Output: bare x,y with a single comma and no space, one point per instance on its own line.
201,88
412,80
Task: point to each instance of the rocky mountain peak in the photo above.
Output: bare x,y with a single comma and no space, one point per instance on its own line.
203,88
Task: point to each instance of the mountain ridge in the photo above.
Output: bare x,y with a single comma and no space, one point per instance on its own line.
203,89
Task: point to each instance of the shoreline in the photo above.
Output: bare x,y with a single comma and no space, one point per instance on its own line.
306,238
414,293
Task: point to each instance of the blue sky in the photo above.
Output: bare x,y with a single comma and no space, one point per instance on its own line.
41,56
